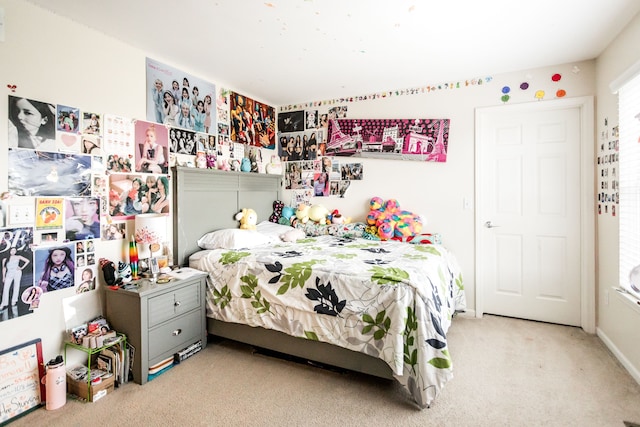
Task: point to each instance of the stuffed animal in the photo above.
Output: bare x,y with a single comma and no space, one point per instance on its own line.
292,235
245,166
287,214
124,272
337,218
391,221
109,272
302,213
211,161
274,166
248,219
223,164
318,214
277,211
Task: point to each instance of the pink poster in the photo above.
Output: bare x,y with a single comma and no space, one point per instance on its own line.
403,139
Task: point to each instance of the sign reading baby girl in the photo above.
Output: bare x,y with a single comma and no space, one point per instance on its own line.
403,139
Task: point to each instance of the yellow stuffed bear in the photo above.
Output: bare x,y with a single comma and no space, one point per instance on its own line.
248,219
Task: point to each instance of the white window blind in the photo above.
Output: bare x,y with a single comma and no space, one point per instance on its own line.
629,189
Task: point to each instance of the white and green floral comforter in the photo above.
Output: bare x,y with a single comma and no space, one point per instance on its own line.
391,300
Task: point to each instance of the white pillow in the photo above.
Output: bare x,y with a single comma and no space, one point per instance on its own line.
233,238
273,230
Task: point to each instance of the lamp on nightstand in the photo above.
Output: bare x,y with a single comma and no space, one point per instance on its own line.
151,230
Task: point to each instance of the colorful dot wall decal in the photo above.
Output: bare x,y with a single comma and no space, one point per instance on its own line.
505,98
506,89
524,86
561,93
556,77
539,94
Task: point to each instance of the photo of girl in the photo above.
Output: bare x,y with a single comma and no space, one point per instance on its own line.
90,144
68,119
82,218
87,281
114,231
91,123
55,268
31,296
32,124
152,148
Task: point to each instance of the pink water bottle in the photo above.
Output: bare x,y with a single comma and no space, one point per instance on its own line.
56,384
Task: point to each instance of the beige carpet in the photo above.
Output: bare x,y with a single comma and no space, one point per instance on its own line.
508,372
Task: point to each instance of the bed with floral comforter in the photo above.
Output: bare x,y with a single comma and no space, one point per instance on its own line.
391,300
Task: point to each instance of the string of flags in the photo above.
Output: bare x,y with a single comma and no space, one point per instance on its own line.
388,94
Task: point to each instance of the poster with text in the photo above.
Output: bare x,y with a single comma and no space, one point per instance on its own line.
16,281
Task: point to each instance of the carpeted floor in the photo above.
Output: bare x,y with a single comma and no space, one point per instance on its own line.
508,372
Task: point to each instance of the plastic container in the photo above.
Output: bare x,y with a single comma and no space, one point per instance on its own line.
55,382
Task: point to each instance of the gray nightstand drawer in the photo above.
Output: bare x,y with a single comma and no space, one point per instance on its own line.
159,319
176,334
172,304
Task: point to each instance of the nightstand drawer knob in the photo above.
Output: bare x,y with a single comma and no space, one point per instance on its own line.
177,303
176,332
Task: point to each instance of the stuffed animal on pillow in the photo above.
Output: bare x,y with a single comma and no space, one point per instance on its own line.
318,214
392,221
288,213
302,213
277,211
248,219
292,235
337,218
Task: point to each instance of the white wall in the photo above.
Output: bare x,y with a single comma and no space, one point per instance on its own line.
618,318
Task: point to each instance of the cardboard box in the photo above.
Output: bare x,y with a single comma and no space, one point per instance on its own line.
92,392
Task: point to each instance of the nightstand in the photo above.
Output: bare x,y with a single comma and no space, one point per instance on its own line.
159,320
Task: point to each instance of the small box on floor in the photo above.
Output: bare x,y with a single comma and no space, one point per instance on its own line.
92,392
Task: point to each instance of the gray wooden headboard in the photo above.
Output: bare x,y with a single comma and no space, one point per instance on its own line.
207,199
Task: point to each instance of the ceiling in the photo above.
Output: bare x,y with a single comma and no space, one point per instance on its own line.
288,51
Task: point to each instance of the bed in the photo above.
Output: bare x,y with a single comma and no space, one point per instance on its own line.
381,308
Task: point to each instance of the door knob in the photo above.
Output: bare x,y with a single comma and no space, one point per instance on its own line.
488,224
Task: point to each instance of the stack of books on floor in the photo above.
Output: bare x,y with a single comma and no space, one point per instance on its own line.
168,363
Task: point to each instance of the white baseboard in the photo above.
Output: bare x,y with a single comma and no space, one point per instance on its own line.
635,373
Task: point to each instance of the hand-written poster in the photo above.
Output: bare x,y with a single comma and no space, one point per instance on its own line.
21,369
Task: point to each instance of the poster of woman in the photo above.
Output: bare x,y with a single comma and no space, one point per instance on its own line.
152,153
32,124
16,263
55,267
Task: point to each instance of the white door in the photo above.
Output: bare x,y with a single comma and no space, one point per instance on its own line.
529,211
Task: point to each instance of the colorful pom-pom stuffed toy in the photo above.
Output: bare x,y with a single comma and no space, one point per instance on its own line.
392,221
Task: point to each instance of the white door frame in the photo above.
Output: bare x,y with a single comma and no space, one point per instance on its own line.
587,203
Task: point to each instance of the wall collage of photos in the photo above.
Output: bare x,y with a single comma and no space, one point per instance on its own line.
76,178
302,141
